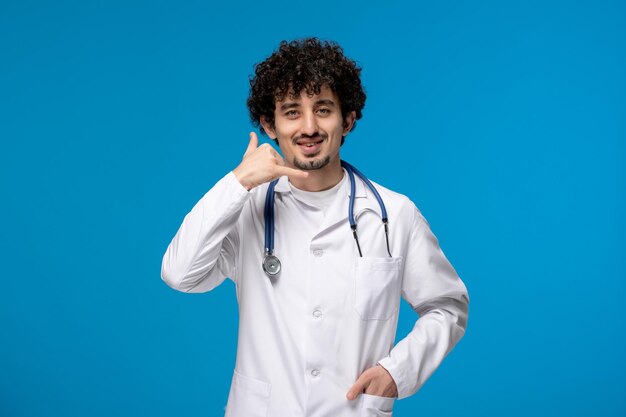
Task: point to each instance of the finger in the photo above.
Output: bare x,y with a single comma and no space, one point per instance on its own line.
254,143
283,169
358,387
291,172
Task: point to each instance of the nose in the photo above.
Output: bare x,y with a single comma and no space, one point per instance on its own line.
309,124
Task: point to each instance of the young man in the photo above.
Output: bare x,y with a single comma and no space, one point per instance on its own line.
316,331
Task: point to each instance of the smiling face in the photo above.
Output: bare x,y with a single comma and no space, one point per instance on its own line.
310,129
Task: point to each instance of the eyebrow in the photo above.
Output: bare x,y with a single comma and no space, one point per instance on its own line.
289,105
295,104
325,101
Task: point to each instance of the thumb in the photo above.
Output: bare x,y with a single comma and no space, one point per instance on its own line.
358,387
254,143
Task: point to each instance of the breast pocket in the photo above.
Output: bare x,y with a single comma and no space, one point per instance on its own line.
377,287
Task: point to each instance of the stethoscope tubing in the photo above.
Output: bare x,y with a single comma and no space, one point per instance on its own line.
369,185
269,218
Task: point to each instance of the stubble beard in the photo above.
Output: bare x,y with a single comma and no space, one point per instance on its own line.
311,165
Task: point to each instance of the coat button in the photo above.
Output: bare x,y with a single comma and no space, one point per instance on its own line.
318,252
315,372
317,314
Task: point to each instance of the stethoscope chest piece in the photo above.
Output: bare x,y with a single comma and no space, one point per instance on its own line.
271,265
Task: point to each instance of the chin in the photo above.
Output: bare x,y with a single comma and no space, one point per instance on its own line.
311,164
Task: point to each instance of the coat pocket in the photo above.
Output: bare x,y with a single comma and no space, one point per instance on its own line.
377,287
375,406
248,397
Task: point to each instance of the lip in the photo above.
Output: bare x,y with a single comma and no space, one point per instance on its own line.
305,141
310,146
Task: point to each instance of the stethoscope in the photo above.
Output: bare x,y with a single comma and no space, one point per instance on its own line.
271,263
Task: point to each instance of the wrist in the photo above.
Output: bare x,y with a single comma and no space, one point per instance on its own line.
241,177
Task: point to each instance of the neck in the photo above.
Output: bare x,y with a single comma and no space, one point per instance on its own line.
320,179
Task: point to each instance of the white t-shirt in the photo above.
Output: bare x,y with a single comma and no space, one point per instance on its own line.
318,199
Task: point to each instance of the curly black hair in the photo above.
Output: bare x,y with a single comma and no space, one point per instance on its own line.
306,64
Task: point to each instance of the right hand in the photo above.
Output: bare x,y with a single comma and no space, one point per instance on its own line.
261,164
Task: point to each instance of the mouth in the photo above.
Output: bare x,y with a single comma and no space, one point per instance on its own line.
310,146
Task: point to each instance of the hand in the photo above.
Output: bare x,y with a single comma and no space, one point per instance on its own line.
374,381
261,164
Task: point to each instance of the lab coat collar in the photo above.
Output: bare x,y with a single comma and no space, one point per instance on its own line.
361,191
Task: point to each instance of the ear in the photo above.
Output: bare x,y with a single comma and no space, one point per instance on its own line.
348,122
268,127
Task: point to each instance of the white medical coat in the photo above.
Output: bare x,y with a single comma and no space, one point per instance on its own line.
306,336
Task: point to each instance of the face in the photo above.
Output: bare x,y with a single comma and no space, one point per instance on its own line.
309,129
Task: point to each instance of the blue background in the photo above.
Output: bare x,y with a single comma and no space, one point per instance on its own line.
503,121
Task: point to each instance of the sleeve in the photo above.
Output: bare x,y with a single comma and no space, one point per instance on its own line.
434,290
205,248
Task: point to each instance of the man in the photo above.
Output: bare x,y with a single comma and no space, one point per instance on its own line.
316,339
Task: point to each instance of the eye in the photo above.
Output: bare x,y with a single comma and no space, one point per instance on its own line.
291,113
323,111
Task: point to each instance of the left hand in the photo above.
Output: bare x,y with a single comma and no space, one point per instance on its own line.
374,381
